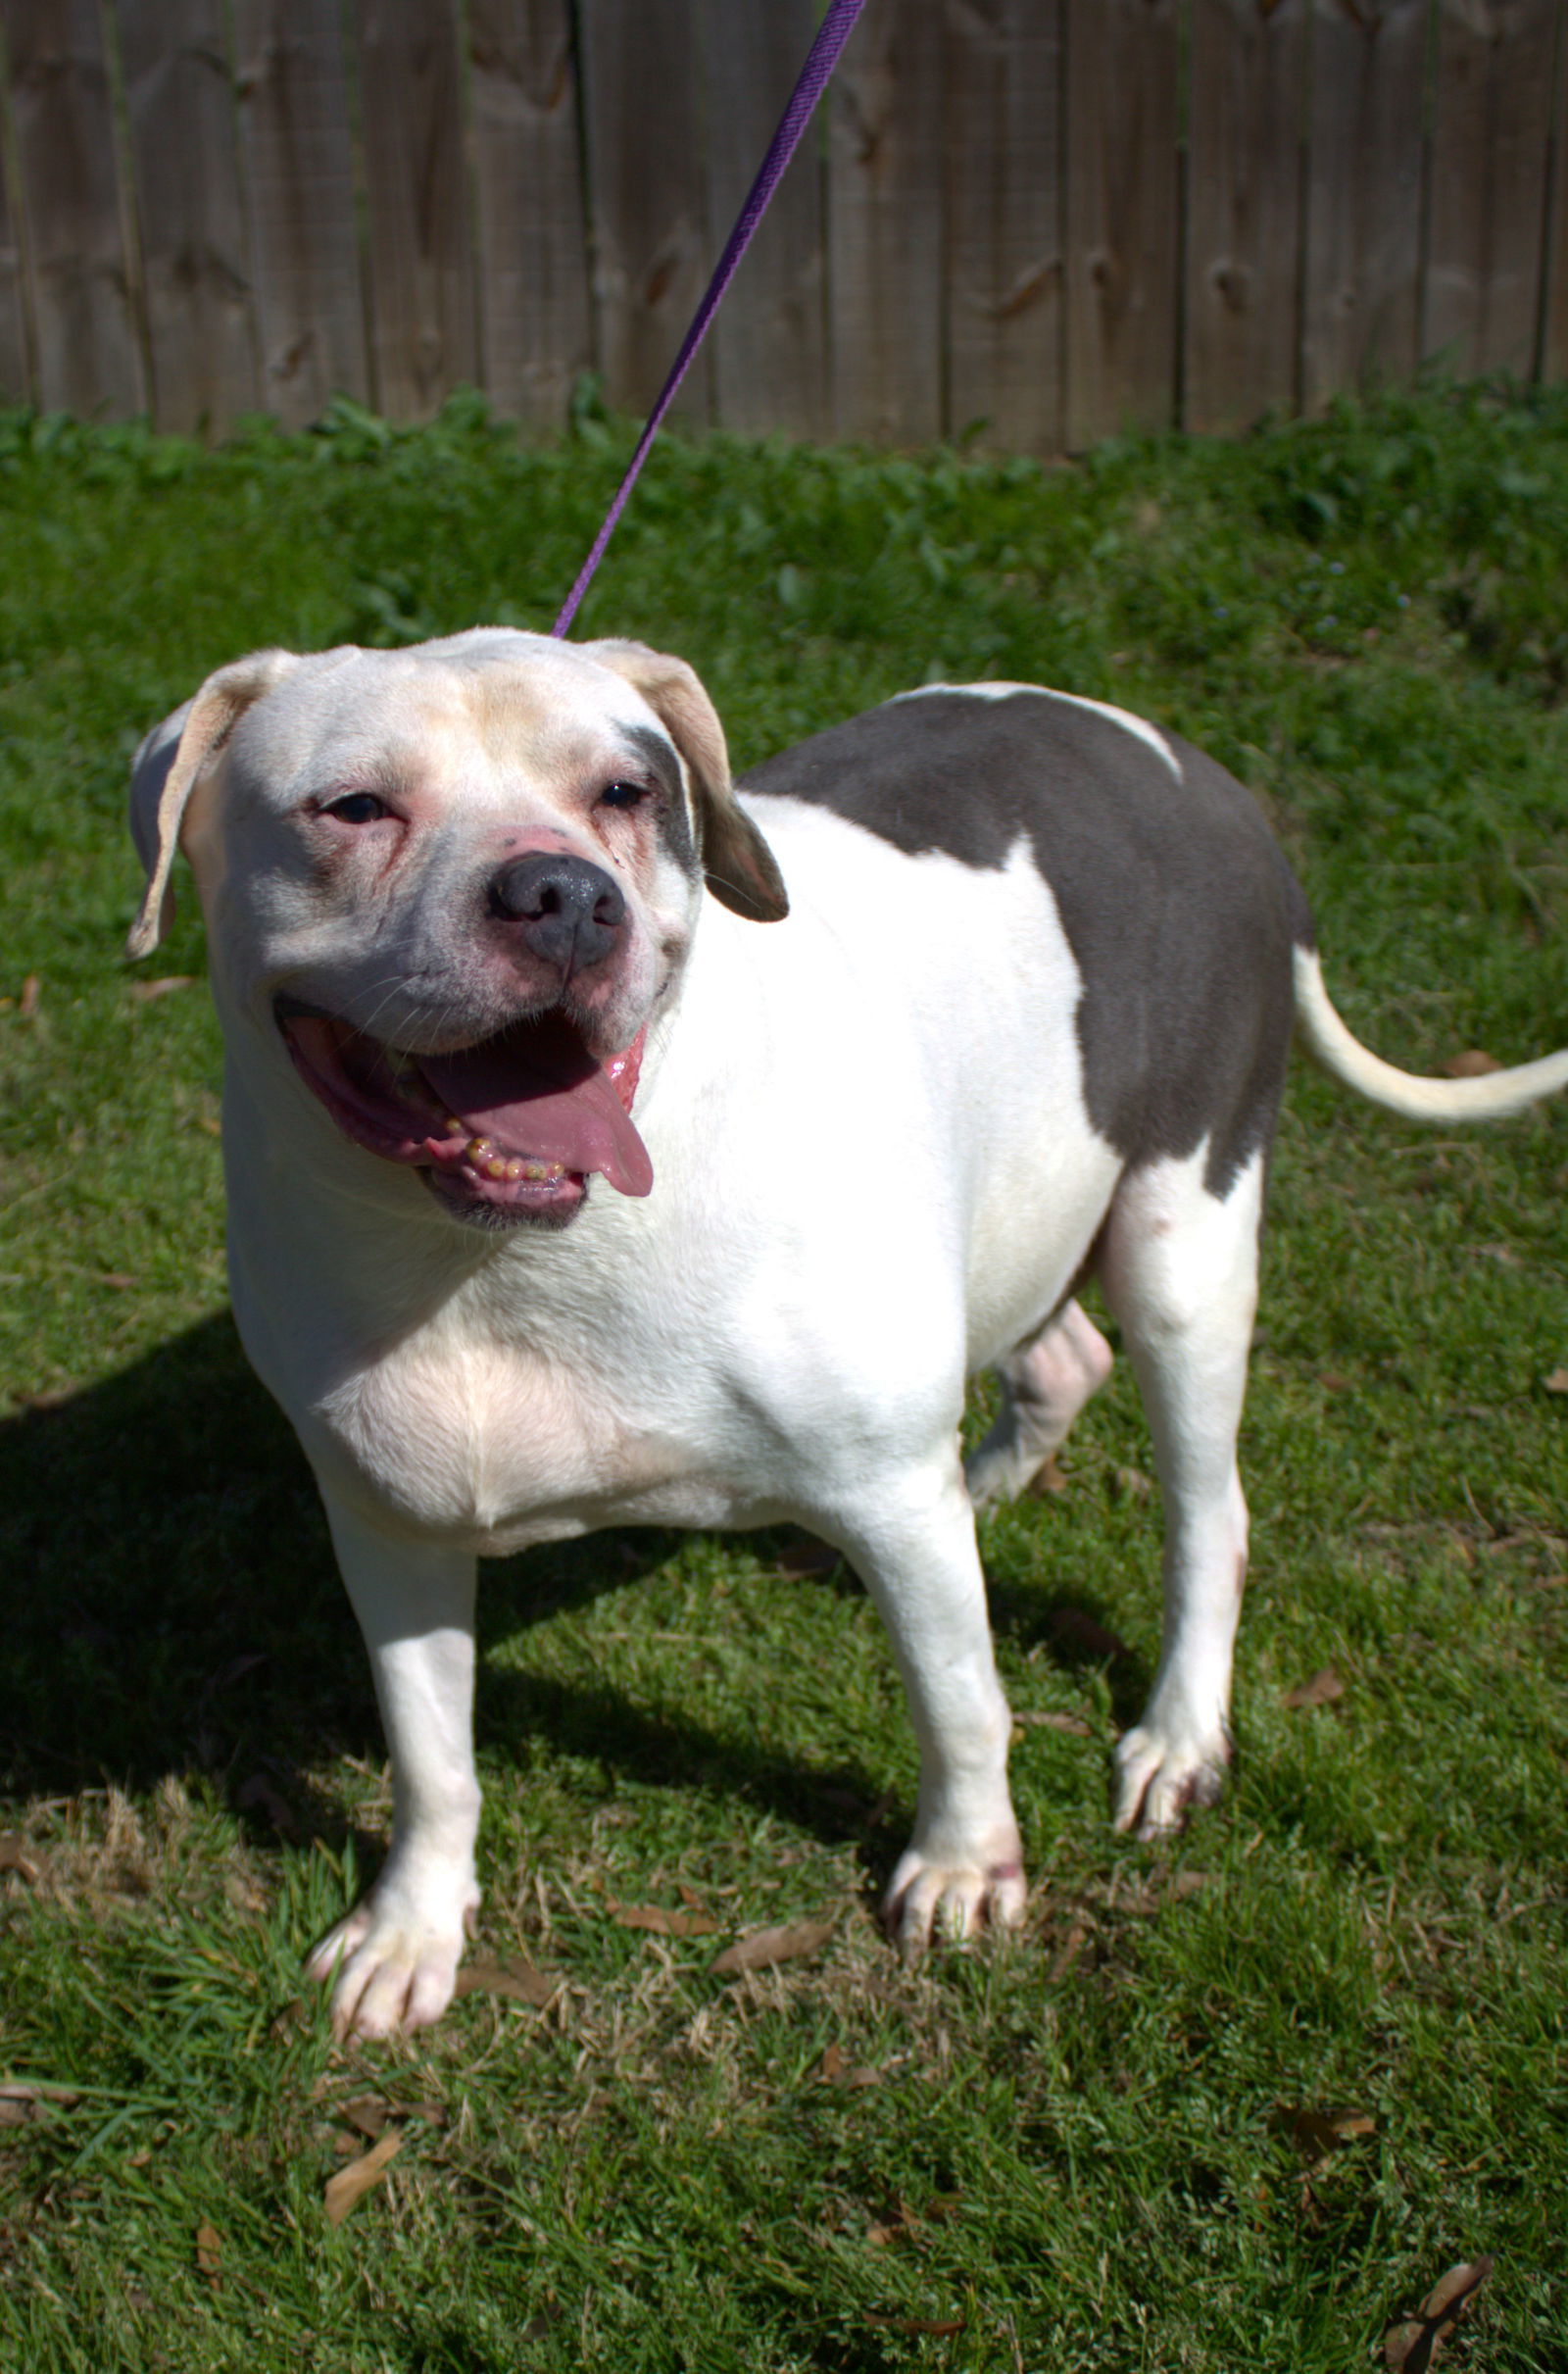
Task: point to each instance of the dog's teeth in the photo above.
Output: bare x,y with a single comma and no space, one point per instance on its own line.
516,1169
480,1150
493,1166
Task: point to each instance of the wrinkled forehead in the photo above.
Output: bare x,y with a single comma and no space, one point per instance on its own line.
472,710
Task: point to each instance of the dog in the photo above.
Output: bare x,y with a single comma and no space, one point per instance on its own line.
580,1173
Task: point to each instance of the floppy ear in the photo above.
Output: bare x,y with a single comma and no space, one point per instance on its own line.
165,772
739,868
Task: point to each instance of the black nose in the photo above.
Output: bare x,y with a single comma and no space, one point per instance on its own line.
569,912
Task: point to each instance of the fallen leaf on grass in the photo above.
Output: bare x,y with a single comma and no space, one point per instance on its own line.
1558,1382
1132,1484
22,2104
1071,1947
210,2253
1470,1064
764,1946
28,1003
13,1856
895,2220
831,2071
659,1923
349,2184
1411,2347
517,1980
1319,2133
1045,1481
144,992
939,2328
1324,1687
371,2112
1046,1720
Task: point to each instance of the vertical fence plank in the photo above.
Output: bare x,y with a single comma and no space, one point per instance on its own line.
1002,70
533,260
769,339
89,356
646,202
1123,216
1244,221
885,228
180,108
15,377
423,339
299,170
1490,126
1363,206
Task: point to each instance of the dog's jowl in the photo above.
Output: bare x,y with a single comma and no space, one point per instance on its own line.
529,1015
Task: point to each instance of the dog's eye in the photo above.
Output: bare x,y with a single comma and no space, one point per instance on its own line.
624,795
357,808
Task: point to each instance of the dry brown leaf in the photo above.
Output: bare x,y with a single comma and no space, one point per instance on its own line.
830,2068
208,2254
516,1979
28,1003
1071,1947
144,992
1470,1064
1324,1687
689,1897
659,1923
21,2104
1557,1381
898,2219
1318,2133
1412,2346
349,2184
764,1946
1047,1481
1132,1484
13,1856
1332,1382
120,1280
1046,1720
939,2328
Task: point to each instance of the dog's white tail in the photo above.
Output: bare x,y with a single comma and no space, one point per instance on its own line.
1486,1098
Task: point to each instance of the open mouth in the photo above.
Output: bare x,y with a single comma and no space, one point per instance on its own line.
511,1129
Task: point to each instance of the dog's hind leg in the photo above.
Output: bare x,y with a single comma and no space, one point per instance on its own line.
1044,1384
394,1960
1179,1270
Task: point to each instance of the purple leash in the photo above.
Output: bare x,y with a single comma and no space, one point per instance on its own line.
834,30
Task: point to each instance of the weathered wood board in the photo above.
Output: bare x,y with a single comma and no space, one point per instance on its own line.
1490,127
179,108
885,228
293,101
16,378
1005,310
532,235
769,339
1123,216
646,201
1246,121
88,345
1361,304
423,328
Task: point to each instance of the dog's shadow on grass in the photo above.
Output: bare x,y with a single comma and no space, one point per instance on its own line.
174,1609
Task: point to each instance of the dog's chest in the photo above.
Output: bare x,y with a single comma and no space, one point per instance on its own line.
471,1436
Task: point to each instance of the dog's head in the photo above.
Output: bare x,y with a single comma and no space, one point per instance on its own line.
455,883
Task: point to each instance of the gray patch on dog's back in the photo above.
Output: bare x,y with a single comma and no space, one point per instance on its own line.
1179,909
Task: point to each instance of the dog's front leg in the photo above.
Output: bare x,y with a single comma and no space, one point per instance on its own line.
395,1958
919,1562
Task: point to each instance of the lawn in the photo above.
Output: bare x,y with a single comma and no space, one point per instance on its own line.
1236,2102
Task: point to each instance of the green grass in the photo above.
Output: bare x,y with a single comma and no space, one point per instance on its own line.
1076,2147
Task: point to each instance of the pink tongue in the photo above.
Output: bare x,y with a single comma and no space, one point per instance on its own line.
537,1092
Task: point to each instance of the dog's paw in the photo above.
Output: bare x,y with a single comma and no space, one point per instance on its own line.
1160,1776
393,1963
949,1898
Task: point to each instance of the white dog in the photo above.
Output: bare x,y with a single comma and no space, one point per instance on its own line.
563,1195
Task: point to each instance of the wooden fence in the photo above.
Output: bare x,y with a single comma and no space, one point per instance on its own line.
1057,217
